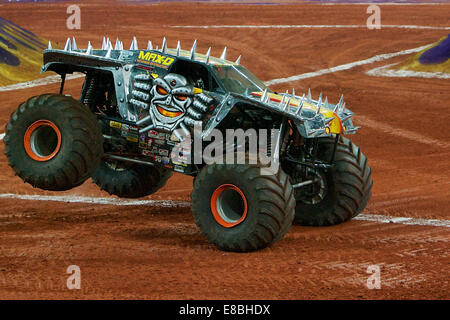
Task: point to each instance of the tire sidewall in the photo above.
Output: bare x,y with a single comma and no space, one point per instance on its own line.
17,134
209,224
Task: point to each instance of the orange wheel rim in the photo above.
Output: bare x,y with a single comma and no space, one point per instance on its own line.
225,207
36,142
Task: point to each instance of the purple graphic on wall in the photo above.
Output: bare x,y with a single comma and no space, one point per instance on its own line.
437,54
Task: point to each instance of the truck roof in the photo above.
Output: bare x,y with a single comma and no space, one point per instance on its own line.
107,54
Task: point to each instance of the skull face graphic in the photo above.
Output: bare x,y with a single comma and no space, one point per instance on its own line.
171,96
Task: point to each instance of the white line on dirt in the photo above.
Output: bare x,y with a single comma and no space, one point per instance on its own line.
385,71
184,204
403,220
406,134
309,26
39,82
346,66
95,200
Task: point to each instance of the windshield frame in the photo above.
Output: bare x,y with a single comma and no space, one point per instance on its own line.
260,86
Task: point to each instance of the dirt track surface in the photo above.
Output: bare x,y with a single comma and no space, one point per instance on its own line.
154,252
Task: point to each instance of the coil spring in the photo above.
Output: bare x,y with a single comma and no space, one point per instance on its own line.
89,95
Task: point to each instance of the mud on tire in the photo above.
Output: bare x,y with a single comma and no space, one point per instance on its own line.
130,181
239,209
53,142
349,186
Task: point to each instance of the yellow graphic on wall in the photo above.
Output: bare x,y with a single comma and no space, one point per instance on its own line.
20,54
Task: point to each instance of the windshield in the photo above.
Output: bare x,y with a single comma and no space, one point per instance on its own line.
237,79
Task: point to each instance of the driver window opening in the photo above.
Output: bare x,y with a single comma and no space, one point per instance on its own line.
196,74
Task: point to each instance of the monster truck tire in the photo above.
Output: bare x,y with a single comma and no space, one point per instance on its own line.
349,186
239,209
132,181
53,142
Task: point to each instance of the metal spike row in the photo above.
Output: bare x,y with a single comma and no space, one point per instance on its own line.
164,45
341,100
238,60
67,46
282,102
108,53
149,45
309,95
300,106
316,132
117,47
104,43
108,43
326,121
223,56
318,110
293,92
319,102
208,53
326,103
346,118
263,96
74,44
134,45
89,49
342,108
178,48
49,46
352,130
194,47
288,102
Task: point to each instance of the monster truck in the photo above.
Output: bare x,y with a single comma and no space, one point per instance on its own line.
137,120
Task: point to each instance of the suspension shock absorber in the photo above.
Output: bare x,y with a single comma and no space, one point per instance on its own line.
89,90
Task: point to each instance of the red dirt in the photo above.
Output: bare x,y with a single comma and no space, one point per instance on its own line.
153,252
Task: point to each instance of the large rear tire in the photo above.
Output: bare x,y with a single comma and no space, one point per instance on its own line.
53,142
346,188
239,209
130,180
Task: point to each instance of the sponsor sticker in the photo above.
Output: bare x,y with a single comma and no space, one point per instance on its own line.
147,153
163,152
179,168
160,142
132,138
115,124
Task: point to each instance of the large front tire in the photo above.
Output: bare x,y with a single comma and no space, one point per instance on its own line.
53,142
239,209
346,188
